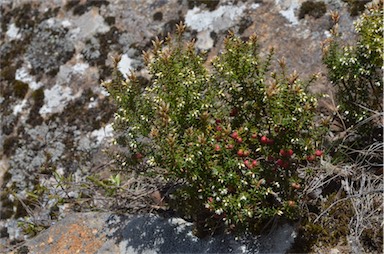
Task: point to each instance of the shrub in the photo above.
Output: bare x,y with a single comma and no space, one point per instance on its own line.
232,135
356,72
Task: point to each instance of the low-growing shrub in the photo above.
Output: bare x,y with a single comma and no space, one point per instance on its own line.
231,136
357,73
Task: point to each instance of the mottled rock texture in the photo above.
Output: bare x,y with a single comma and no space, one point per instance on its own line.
55,116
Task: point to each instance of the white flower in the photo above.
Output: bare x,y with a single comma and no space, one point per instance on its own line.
219,211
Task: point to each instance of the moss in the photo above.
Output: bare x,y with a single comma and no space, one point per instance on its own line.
80,9
356,6
38,96
110,20
10,144
245,22
71,4
20,88
7,206
8,73
23,250
312,8
35,118
8,127
211,4
25,16
158,16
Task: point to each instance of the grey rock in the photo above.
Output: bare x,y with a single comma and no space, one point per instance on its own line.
49,48
126,234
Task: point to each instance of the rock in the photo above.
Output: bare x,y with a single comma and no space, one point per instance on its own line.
55,116
113,233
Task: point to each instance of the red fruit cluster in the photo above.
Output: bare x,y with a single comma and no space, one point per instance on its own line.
318,153
138,156
243,153
250,165
312,157
236,137
286,153
266,141
282,163
217,148
229,146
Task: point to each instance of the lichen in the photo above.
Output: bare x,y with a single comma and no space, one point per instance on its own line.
49,49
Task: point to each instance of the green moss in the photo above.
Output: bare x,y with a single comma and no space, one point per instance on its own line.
35,118
158,16
312,8
8,73
211,4
20,88
38,96
10,144
356,6
80,9
71,4
6,206
110,20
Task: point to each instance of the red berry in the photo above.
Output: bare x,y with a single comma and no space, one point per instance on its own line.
239,140
229,146
264,140
280,162
318,153
246,153
254,136
233,112
210,200
240,153
138,156
311,157
286,153
235,135
219,128
254,163
296,186
291,203
270,158
218,121
217,147
270,141
246,163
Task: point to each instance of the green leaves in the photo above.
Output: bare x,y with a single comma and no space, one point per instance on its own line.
220,130
356,71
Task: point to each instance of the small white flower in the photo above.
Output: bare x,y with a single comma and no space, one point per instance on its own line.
219,211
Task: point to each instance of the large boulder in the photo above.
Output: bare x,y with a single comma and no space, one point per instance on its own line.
149,233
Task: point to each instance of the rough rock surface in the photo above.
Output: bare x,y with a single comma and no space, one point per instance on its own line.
112,233
56,118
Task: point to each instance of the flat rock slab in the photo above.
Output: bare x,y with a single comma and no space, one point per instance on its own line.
113,233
